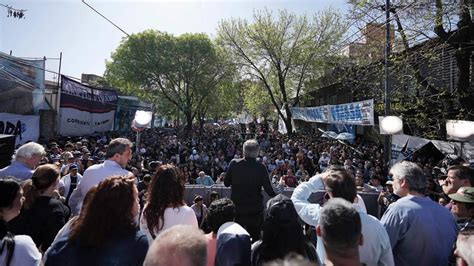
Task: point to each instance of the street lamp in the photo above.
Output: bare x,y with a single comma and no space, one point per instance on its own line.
390,125
142,120
460,130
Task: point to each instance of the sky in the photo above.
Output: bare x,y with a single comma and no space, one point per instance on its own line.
87,40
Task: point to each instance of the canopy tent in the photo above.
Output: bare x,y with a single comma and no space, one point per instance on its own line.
404,146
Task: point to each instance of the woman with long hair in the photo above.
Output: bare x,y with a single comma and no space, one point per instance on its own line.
282,234
42,215
19,249
106,231
165,205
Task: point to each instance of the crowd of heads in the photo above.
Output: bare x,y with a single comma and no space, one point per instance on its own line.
166,162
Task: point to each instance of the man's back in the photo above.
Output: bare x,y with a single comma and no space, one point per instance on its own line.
96,173
18,170
421,231
93,176
376,249
247,176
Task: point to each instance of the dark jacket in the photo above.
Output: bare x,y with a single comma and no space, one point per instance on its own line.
42,221
246,177
124,250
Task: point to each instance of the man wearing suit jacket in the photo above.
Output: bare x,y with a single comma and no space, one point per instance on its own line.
246,177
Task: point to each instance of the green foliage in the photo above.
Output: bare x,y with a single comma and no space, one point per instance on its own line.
281,52
256,101
180,71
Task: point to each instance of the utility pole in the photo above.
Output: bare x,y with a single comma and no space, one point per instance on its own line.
387,138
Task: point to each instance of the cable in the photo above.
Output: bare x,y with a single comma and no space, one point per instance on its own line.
128,35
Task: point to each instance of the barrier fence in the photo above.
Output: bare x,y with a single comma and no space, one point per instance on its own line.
370,199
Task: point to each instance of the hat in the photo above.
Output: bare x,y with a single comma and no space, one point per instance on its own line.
68,155
73,166
389,183
464,194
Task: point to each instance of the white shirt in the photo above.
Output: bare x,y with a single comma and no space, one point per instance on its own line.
93,176
25,252
376,249
172,216
65,182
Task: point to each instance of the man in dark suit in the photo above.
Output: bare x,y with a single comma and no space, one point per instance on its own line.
246,176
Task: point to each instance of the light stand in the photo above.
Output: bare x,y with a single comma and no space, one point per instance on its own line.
141,121
461,131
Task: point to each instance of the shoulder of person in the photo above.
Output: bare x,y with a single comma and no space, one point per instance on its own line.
24,240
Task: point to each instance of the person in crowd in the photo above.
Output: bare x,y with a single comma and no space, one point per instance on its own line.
338,183
25,160
465,247
204,179
246,177
457,176
142,187
220,179
15,249
387,197
289,179
282,234
376,183
200,210
42,215
302,175
340,228
324,161
69,182
463,206
101,237
182,245
214,195
119,153
220,211
361,186
165,206
233,245
421,231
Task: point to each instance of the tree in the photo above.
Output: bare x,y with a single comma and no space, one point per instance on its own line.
256,101
418,93
182,70
283,53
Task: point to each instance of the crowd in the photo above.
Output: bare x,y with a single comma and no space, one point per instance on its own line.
73,201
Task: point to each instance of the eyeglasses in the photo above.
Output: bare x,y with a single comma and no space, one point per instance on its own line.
467,229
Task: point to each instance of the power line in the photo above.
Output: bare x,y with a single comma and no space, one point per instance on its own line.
128,35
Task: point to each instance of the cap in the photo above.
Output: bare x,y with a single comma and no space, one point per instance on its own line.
389,183
464,194
73,166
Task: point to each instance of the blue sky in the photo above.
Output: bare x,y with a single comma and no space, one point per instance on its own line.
87,40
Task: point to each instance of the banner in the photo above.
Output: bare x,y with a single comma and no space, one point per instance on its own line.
357,113
85,110
21,85
318,114
24,127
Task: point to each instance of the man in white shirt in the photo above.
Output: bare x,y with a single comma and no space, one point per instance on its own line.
376,249
69,182
119,152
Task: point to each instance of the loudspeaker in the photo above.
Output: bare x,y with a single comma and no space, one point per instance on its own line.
7,147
